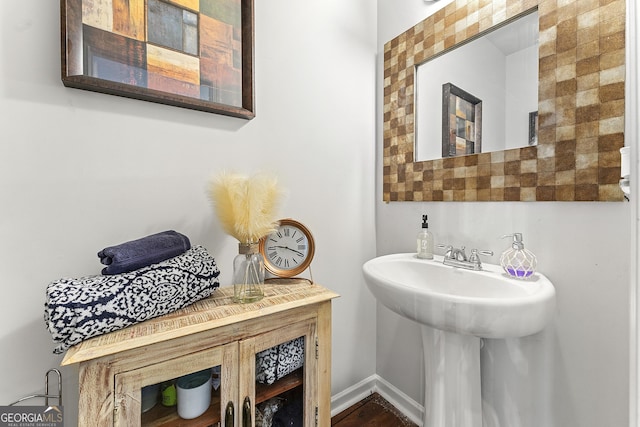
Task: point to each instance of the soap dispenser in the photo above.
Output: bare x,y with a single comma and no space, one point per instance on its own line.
425,241
517,261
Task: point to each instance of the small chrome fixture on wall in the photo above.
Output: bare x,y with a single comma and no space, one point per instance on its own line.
625,169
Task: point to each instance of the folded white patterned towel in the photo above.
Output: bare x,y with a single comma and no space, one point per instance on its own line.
78,309
276,362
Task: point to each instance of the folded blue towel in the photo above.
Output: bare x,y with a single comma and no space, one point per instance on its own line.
78,309
130,256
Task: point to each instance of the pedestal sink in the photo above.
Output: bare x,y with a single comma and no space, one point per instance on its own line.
456,308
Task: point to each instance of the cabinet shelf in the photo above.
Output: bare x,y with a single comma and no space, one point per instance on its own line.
284,384
162,416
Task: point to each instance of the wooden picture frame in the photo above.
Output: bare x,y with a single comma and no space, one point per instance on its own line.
461,122
195,54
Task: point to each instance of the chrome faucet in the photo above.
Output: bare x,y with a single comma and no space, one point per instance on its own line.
458,257
459,254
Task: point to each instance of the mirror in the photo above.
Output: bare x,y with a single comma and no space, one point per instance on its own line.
581,85
481,96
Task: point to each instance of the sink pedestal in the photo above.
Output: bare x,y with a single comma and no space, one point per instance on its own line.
452,379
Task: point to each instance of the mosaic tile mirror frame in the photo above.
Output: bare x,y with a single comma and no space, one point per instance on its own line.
581,96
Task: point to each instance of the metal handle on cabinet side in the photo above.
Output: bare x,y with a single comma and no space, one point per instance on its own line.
229,415
46,394
246,412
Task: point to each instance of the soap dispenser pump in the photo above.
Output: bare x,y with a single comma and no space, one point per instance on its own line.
517,261
425,241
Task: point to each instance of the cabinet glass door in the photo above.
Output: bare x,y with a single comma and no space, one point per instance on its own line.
195,390
278,377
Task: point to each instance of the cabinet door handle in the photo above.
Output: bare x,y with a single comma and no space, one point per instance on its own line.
246,412
229,415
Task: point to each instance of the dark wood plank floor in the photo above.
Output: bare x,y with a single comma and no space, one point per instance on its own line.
373,411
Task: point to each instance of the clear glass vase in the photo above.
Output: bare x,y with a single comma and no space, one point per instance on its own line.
248,274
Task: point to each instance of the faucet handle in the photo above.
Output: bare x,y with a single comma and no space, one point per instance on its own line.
483,252
448,249
475,255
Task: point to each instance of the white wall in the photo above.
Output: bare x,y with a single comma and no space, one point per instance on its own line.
521,95
582,247
81,170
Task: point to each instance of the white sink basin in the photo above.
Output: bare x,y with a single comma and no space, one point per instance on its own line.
486,304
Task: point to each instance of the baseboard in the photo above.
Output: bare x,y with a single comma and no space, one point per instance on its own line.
353,395
373,384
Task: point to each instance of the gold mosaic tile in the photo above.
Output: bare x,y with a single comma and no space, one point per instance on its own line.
580,107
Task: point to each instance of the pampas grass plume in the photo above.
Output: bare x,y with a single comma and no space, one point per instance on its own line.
246,206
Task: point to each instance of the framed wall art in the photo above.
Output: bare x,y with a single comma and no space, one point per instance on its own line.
195,54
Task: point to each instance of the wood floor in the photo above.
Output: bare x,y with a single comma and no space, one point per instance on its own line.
373,411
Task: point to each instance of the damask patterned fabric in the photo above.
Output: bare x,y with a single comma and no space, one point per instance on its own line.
279,361
78,309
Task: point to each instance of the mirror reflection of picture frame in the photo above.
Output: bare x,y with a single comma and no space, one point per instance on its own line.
461,122
533,128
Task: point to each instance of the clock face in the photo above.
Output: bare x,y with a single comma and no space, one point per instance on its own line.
288,250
